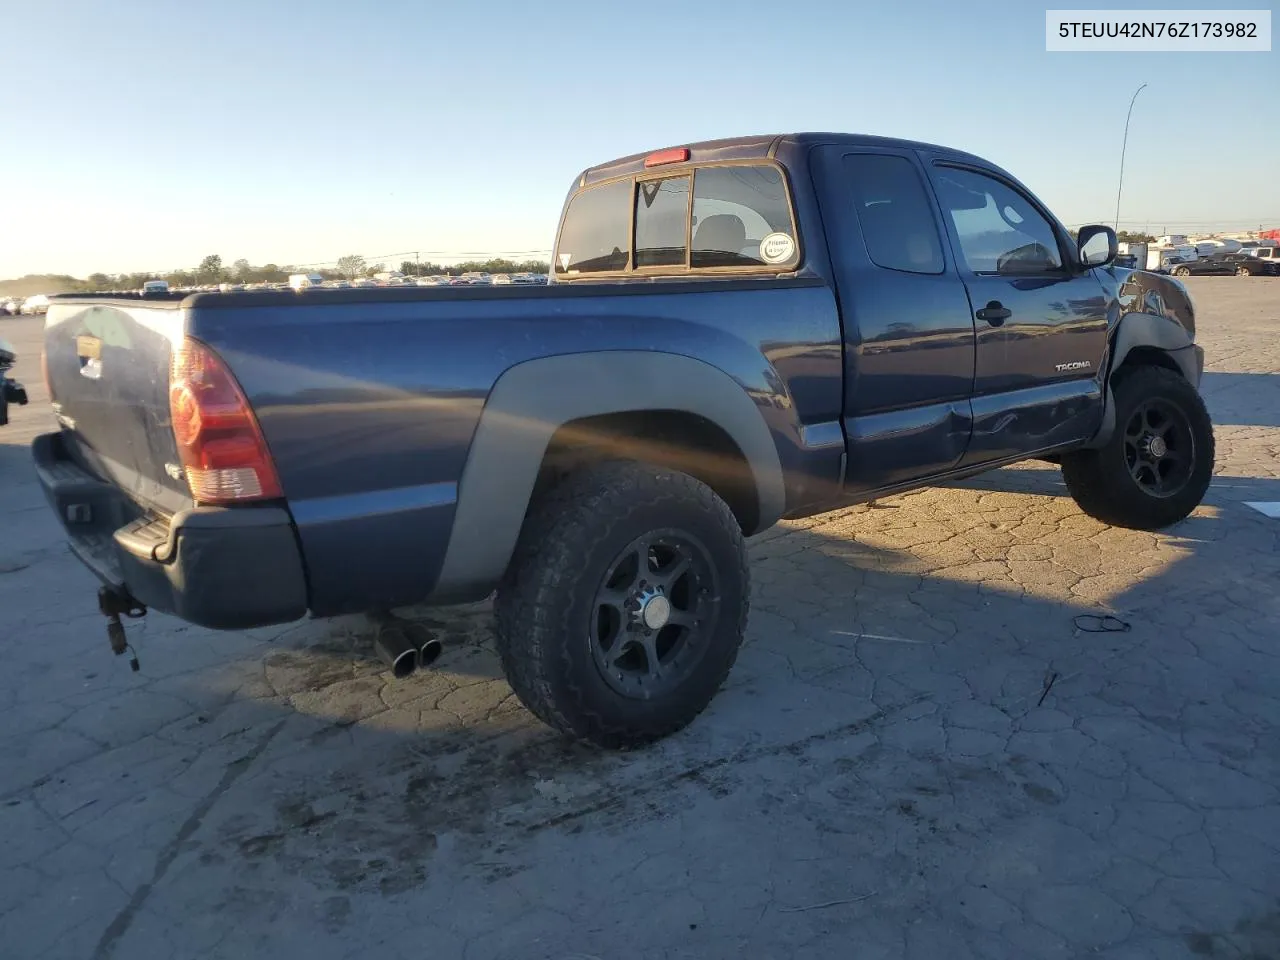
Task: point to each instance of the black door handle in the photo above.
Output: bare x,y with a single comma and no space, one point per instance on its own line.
995,313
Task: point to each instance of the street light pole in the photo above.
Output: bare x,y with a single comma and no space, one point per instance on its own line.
1124,146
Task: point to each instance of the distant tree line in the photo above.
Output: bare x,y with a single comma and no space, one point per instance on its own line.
213,270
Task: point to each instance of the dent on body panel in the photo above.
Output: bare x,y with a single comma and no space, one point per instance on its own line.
1154,293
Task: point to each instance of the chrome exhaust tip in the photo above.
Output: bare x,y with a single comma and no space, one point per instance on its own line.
429,652
394,649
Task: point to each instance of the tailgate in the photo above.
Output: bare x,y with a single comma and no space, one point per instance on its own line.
108,371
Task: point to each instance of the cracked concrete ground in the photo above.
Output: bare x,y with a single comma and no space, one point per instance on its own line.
920,753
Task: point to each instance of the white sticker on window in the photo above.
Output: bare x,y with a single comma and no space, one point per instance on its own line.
565,258
777,248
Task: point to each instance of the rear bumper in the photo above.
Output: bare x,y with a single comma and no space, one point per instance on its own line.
225,568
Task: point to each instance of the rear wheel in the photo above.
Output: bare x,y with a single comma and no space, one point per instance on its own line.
624,606
1182,271
1157,465
1243,272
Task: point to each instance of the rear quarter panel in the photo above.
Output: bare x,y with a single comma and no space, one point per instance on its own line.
369,407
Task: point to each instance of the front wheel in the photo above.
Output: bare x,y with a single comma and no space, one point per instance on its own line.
1157,465
625,603
1182,272
1243,272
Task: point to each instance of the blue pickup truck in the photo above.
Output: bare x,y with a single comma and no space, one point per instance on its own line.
735,332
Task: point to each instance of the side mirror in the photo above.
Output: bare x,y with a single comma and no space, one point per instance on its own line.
1097,246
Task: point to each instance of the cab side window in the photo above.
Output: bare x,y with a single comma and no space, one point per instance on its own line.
894,213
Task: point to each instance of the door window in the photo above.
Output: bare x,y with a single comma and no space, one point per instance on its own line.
999,230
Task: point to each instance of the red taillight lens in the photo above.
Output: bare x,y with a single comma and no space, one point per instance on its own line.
675,155
222,450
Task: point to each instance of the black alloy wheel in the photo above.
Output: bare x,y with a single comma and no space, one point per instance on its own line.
625,602
1154,468
653,611
1159,447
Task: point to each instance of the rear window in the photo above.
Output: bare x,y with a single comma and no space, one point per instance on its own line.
595,236
740,217
662,210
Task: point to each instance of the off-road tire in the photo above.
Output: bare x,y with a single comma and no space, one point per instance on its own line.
545,601
1100,481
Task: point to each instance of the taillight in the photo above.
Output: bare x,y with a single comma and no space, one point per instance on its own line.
222,450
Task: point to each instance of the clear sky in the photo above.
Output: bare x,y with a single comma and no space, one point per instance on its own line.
143,135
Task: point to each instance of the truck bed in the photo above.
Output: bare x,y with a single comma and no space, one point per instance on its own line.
369,398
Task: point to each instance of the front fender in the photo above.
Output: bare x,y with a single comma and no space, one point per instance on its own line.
531,400
1140,330
1149,330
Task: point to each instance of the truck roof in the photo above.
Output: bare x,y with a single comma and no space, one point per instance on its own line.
766,146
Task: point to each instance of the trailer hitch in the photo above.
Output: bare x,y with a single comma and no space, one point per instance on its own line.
113,604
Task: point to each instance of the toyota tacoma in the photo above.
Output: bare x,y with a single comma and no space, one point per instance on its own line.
735,332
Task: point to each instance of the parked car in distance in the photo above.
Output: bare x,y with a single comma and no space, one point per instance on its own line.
38,304
152,287
501,279
11,306
306,281
1225,264
1271,254
735,332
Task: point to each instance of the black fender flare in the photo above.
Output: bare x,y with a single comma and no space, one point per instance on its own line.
1136,330
533,399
